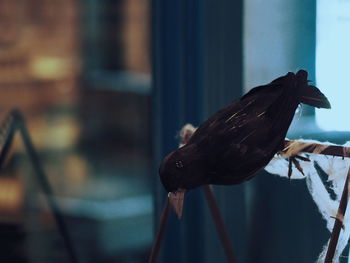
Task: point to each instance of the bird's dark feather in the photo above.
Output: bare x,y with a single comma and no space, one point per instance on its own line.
314,97
239,140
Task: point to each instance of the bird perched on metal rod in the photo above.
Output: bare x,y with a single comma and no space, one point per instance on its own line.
239,140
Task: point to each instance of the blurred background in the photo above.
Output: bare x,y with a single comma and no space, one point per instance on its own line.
80,73
105,86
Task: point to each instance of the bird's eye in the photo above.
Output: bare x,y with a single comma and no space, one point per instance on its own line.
179,164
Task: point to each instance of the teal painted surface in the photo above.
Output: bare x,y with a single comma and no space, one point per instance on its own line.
239,45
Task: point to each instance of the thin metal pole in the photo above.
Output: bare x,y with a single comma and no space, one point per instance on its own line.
10,132
163,220
44,183
338,223
220,227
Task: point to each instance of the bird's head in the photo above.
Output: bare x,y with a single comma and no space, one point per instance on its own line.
179,172
171,172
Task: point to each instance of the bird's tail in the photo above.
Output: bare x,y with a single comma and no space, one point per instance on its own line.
309,94
314,97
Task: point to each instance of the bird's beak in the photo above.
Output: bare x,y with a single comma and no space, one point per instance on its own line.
177,201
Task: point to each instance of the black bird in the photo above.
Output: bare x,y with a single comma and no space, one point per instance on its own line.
239,140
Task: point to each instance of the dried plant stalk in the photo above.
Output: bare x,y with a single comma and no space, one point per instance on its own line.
338,223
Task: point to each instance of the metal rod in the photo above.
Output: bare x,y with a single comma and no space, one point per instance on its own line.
157,243
220,227
8,141
338,223
44,183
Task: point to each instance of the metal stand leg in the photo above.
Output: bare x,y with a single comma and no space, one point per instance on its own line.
160,233
18,123
8,130
220,227
218,222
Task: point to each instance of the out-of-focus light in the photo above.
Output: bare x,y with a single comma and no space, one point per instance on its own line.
11,195
333,62
50,68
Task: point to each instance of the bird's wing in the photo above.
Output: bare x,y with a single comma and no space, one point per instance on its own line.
240,163
239,123
251,108
273,89
270,89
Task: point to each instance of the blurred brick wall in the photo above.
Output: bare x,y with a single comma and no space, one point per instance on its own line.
39,43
